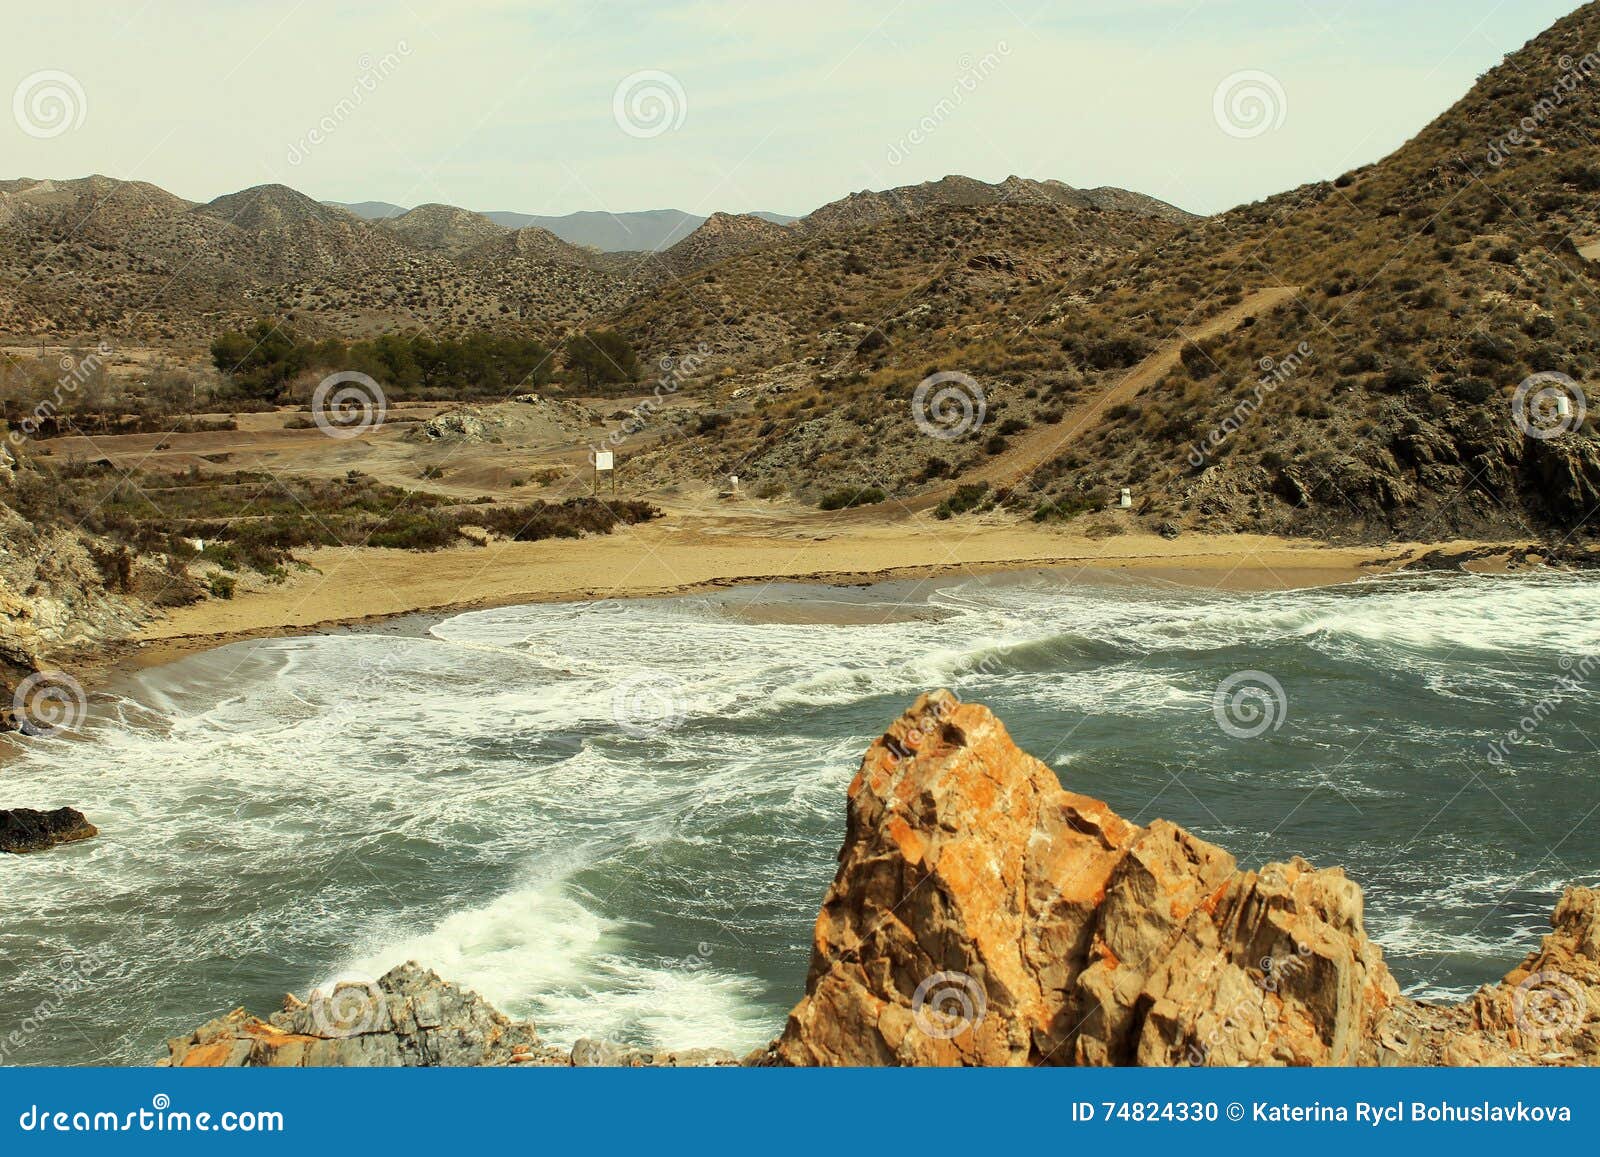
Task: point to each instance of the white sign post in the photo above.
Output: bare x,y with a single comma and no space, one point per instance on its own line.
605,462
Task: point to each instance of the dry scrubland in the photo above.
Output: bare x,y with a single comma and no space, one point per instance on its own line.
1333,364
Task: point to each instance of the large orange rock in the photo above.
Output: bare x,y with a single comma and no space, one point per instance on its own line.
981,915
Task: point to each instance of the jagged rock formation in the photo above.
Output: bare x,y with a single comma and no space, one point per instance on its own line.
982,915
407,1018
25,830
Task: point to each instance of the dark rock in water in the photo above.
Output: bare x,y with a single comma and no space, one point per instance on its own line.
25,830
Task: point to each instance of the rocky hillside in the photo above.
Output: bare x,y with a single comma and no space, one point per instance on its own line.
98,257
443,229
874,208
721,236
1372,387
101,257
981,915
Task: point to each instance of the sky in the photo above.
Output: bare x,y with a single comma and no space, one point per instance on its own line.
545,107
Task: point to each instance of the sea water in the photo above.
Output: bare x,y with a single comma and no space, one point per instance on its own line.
619,818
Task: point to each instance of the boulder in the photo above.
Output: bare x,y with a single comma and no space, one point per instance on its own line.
407,1018
25,830
587,1053
982,915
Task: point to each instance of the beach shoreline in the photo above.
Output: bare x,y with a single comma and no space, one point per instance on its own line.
366,590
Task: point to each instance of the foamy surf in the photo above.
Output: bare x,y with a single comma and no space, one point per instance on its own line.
619,818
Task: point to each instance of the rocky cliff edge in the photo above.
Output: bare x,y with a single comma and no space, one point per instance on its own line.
982,915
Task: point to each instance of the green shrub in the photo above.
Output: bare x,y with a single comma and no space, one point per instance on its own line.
966,498
852,496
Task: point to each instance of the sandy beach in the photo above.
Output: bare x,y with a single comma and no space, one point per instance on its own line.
688,553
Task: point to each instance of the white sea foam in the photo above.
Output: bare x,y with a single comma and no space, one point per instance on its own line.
290,808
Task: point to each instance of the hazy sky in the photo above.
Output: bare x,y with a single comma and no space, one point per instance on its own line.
741,104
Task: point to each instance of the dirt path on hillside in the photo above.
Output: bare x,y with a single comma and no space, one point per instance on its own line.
1042,444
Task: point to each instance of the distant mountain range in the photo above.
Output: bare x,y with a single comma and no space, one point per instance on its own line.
96,256
647,231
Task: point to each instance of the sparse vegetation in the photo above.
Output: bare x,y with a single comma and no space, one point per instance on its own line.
852,496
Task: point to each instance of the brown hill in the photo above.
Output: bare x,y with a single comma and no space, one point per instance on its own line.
98,256
442,228
723,235
1371,393
873,208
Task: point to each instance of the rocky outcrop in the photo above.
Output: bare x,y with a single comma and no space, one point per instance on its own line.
25,830
982,915
407,1018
